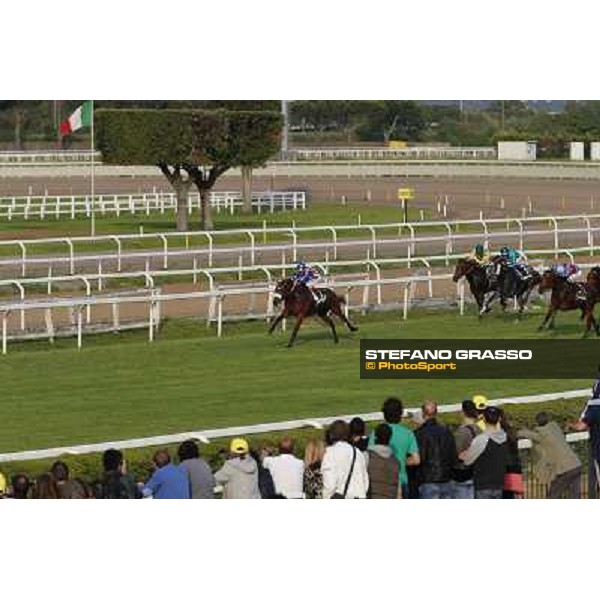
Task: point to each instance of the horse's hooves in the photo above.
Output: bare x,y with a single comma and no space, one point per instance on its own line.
289,345
353,328
540,328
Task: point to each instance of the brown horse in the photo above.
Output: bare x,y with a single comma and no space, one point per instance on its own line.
299,302
567,295
593,285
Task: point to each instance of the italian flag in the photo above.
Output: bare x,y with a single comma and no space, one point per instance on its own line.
82,117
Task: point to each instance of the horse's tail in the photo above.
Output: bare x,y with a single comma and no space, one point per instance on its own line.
340,299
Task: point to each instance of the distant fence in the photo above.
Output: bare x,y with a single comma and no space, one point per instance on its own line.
48,157
56,207
413,152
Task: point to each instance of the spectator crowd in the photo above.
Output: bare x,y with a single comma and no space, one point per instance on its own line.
479,459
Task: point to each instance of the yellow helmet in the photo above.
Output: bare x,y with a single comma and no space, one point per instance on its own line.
480,401
239,446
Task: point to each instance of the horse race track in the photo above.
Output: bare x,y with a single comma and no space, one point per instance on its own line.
119,387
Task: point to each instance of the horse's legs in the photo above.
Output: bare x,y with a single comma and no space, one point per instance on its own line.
590,322
329,322
277,320
524,299
336,309
549,315
486,304
479,298
299,320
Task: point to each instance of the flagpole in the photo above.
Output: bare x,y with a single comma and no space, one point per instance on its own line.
93,172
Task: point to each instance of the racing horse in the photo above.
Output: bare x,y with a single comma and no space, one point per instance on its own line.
567,295
483,281
593,285
299,302
510,285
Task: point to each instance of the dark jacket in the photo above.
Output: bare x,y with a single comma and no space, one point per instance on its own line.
115,486
384,473
489,456
438,452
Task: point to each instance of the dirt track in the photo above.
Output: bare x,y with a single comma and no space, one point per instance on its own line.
467,196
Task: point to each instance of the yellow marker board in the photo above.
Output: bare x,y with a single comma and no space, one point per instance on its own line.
406,194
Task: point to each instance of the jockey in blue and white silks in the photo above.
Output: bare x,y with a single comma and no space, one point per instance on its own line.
566,270
307,275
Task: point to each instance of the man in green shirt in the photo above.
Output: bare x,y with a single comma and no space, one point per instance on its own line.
403,442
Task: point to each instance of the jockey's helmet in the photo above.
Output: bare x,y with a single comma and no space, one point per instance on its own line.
505,251
479,250
300,265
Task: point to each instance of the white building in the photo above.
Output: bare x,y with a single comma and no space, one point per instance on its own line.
517,150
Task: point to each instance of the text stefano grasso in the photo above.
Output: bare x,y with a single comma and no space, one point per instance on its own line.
411,355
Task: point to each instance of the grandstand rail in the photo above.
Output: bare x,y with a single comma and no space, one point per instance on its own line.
206,436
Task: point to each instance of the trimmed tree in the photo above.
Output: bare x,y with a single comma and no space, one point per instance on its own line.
150,137
198,143
256,137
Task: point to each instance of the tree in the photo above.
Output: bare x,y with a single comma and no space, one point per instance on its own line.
188,146
255,137
17,109
404,119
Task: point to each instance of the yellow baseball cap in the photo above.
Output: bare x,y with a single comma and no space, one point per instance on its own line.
480,401
239,446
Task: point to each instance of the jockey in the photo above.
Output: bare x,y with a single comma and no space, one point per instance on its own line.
566,270
479,255
515,261
307,275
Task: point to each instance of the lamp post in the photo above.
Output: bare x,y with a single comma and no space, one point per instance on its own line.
284,130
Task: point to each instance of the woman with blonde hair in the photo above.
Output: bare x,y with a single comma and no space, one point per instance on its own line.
313,478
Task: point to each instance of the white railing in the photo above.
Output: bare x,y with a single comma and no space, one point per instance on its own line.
414,152
329,249
153,299
47,207
216,295
48,157
266,273
206,436
219,291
